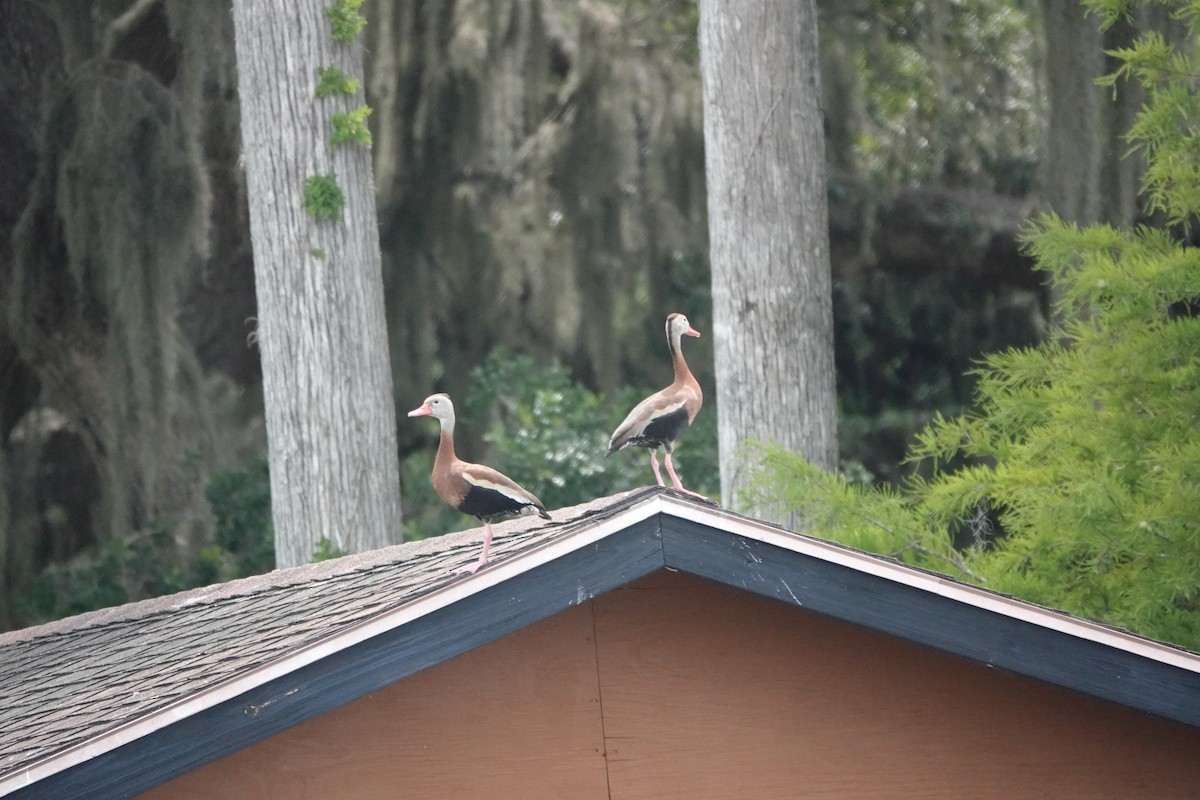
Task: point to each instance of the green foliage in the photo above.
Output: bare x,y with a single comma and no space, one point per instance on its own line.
949,91
323,197
551,434
1074,479
345,21
113,572
326,550
240,499
351,127
331,81
1094,439
845,507
670,23
155,561
1165,131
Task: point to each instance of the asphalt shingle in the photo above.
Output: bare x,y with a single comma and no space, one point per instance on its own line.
69,681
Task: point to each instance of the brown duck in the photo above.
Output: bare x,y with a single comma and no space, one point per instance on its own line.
658,420
473,489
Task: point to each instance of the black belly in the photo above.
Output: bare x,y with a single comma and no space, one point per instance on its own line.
485,503
663,430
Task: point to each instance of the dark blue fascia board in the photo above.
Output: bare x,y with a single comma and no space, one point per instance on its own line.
933,620
360,669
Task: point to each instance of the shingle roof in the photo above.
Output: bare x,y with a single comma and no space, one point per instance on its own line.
113,702
68,681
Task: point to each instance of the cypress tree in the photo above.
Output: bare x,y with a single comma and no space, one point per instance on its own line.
1074,480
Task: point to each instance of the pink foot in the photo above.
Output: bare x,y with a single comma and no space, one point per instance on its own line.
484,557
675,482
471,569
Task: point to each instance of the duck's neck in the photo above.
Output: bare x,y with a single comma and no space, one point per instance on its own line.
682,373
445,451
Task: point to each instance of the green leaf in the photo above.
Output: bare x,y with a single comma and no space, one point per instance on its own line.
345,21
351,127
331,80
323,197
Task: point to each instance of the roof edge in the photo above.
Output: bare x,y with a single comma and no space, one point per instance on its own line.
935,583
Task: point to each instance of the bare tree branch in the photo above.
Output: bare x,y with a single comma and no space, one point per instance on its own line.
957,563
120,26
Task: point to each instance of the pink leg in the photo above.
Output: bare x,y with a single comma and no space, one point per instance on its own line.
676,482
654,466
484,557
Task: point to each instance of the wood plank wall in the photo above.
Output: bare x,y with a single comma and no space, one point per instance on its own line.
673,687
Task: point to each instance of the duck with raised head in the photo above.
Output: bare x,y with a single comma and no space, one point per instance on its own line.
658,420
473,489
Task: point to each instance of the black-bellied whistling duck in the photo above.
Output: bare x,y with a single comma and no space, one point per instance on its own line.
473,489
659,419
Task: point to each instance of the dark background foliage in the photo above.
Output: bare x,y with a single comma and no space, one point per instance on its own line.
540,186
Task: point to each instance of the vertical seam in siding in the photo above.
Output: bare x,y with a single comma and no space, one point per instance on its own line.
600,702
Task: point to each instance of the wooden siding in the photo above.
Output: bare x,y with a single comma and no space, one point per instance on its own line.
674,687
1037,649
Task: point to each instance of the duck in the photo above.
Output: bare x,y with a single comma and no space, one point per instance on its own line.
662,417
473,489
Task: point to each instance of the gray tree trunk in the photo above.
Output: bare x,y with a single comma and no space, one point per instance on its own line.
327,383
768,232
1086,176
1070,177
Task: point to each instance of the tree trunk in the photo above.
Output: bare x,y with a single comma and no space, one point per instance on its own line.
327,382
768,231
1070,178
